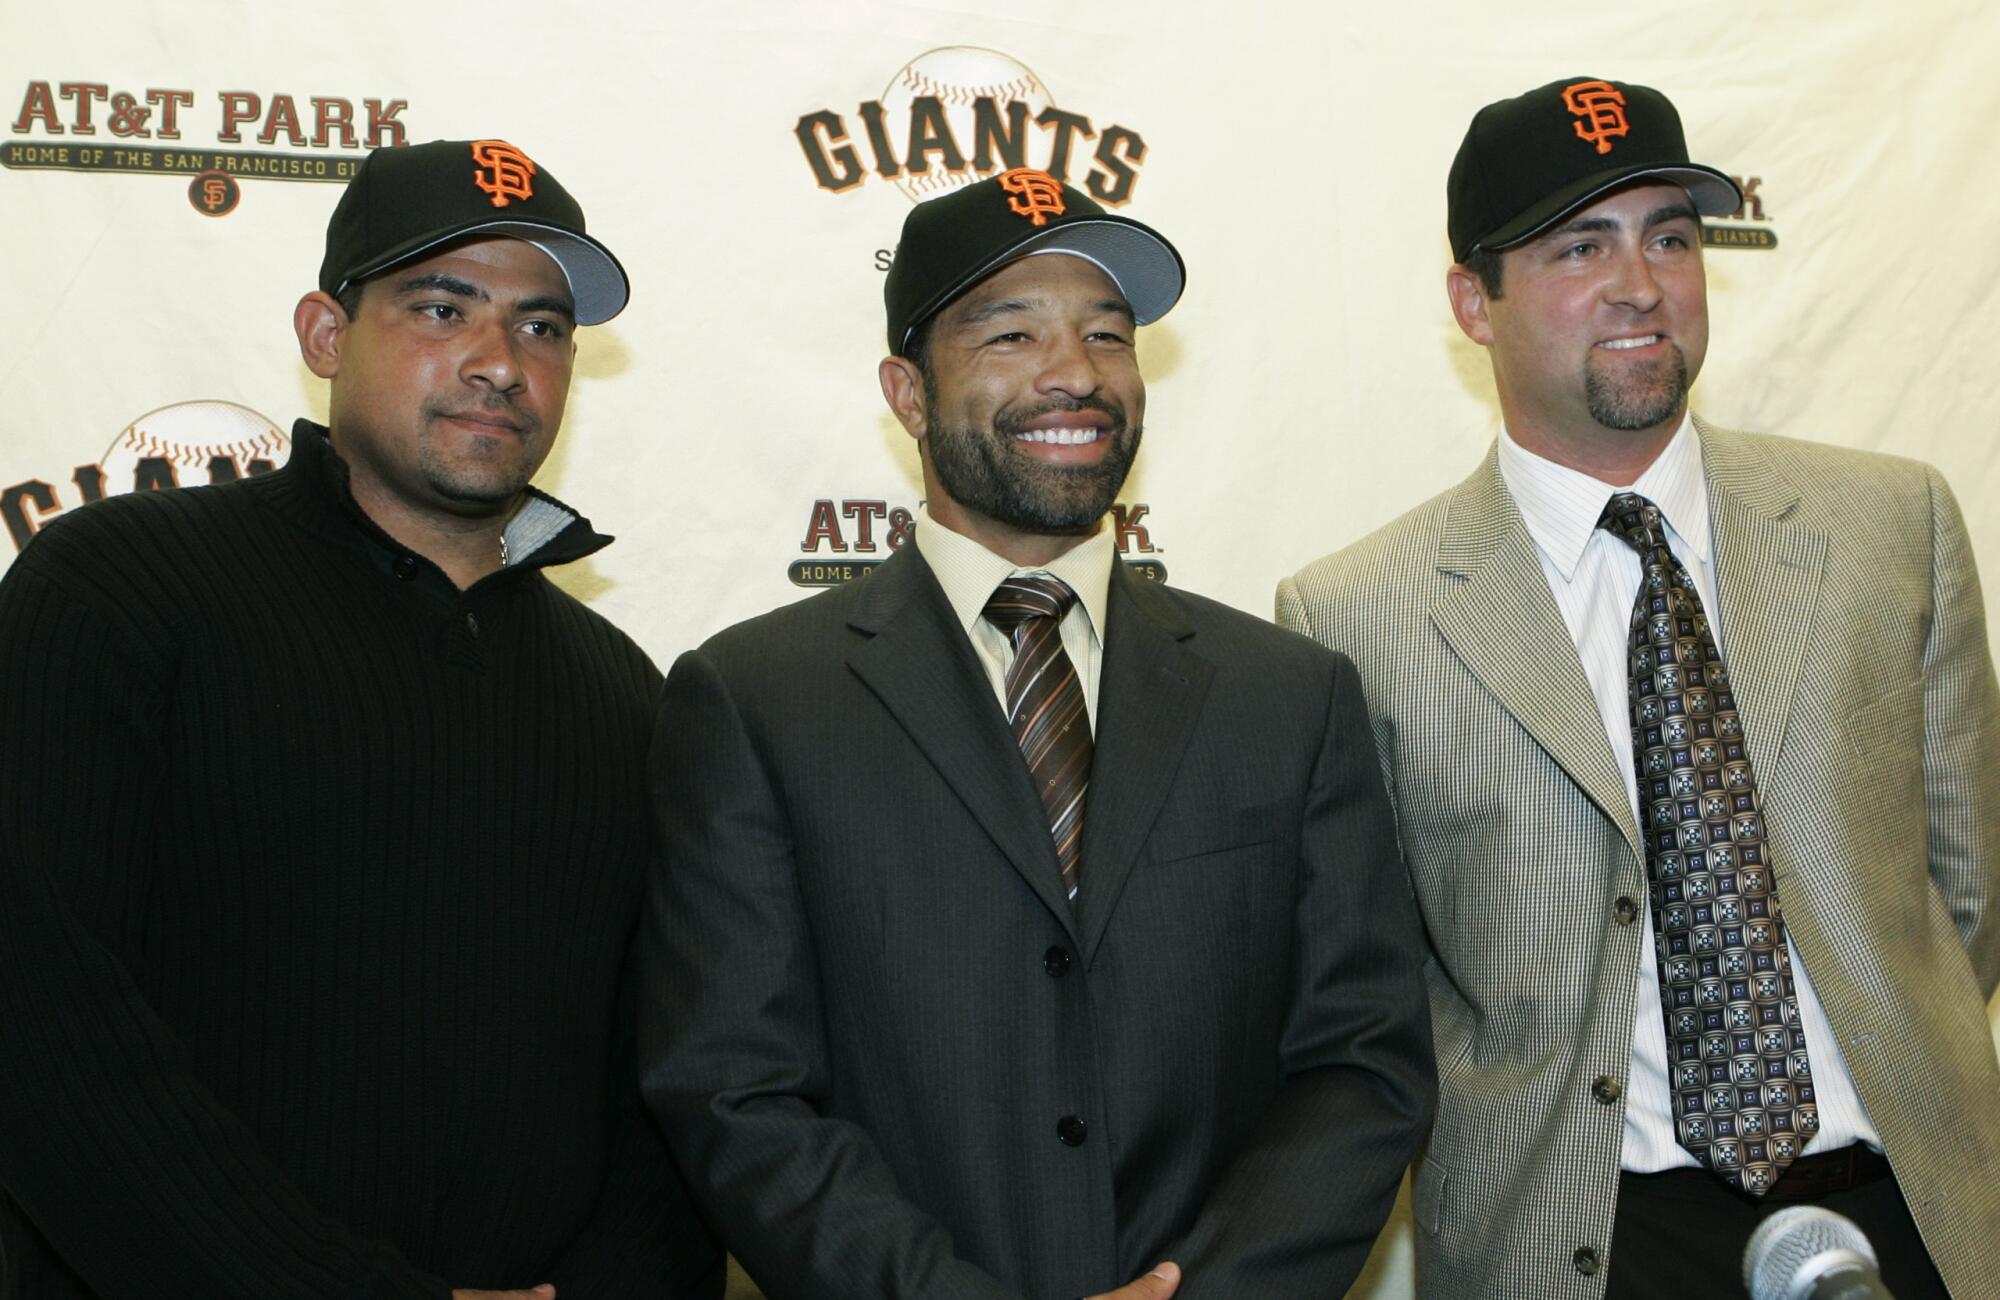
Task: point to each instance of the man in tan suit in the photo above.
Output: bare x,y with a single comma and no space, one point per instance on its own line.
1803,797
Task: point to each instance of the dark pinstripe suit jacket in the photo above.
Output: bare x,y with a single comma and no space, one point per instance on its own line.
1856,639
871,1006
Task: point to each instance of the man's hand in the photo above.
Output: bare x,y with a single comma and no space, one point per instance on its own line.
1156,1285
542,1292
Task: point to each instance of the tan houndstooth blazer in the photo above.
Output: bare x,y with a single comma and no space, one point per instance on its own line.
1857,642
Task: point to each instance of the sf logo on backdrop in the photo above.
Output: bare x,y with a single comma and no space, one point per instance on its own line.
99,126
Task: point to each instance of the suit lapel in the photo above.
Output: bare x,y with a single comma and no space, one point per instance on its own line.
1767,579
1148,698
1503,624
918,662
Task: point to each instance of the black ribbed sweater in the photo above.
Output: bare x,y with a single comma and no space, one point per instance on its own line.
318,880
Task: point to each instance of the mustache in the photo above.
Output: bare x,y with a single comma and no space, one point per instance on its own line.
498,408
1011,421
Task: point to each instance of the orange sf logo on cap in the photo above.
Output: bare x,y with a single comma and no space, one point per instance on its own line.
1033,194
505,173
1602,108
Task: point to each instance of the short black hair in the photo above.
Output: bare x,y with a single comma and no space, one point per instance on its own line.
349,298
1485,263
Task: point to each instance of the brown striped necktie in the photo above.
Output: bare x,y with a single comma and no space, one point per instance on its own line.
1045,706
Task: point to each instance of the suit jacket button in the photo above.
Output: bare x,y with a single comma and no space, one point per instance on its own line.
405,567
1625,911
1587,1262
1056,962
1606,1089
1070,1131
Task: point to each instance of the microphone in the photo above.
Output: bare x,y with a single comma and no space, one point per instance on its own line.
1807,1253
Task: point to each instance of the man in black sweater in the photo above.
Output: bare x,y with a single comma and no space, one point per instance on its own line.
323,825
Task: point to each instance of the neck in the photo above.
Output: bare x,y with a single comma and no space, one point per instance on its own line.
1613,456
466,548
1026,550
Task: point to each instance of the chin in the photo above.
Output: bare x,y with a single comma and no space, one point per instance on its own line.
466,490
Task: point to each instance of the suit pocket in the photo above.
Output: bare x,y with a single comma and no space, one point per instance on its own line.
1181,834
1891,726
1427,1194
1219,890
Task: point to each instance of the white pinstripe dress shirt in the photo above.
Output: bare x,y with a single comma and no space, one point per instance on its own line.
1595,579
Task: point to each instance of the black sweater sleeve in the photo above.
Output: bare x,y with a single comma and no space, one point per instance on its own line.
644,1240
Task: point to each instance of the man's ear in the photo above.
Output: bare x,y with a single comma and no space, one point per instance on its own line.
321,323
903,390
1468,303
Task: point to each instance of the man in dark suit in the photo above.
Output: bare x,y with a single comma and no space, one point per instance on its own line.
1024,924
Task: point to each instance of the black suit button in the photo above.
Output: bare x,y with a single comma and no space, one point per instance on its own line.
472,627
1056,962
1587,1262
405,567
1070,1131
1625,911
1606,1089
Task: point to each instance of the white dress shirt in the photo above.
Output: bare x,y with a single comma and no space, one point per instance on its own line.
1595,580
969,572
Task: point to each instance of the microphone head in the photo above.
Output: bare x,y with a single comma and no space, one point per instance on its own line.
1794,1248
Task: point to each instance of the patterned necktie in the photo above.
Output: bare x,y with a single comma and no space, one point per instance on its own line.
1045,706
1736,1053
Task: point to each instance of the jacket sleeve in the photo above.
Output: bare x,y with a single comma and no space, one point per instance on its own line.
1302,1202
1962,742
644,1240
127,1164
732,1042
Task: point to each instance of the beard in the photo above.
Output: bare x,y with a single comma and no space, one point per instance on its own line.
982,471
1637,397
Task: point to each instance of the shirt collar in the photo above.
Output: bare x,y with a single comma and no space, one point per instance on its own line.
1561,506
313,487
969,572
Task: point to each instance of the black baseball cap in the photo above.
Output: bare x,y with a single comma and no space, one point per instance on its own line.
1528,162
954,241
406,200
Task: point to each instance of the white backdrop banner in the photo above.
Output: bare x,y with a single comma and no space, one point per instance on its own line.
166,175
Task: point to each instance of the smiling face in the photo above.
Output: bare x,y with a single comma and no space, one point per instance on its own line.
450,378
1600,327
1029,410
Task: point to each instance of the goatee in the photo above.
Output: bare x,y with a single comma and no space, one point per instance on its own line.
1637,397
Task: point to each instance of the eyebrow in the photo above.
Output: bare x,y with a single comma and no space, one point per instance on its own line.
443,282
1004,306
549,303
450,284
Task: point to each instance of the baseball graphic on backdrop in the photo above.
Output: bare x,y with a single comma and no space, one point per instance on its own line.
957,75
201,442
